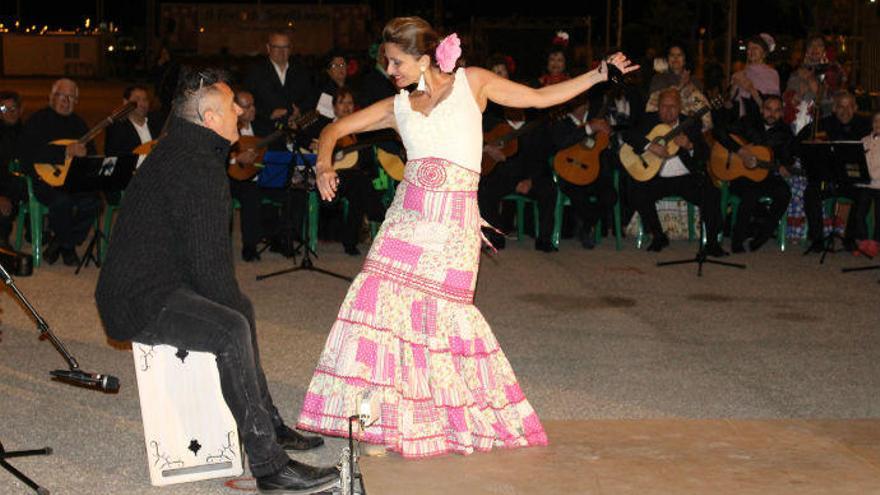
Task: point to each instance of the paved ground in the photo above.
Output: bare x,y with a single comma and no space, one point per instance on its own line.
591,335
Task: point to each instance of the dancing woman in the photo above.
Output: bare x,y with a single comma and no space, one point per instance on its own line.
407,331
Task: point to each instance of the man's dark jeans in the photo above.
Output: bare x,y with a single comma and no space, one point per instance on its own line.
192,322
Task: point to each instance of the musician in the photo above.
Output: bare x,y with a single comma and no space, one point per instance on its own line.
844,124
258,221
577,126
682,174
12,189
169,277
355,184
526,172
138,128
866,193
281,89
70,214
764,129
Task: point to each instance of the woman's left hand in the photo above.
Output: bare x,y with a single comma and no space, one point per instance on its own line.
618,60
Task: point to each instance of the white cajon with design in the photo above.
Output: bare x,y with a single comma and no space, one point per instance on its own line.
189,432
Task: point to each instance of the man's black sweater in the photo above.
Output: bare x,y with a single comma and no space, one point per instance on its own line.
41,128
172,232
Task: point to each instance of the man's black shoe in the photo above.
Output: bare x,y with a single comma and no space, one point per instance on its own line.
352,251
290,439
737,247
69,256
588,238
658,243
52,251
284,248
545,246
249,253
849,245
714,249
298,478
758,241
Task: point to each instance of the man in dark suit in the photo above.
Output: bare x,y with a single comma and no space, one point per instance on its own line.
845,124
70,214
281,90
140,127
682,174
765,129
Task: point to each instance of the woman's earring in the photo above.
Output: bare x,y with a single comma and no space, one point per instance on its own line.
421,86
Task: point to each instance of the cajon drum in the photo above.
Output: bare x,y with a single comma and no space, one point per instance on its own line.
189,433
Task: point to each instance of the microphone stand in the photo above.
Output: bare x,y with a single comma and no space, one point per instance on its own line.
45,333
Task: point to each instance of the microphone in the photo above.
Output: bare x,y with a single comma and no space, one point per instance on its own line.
106,383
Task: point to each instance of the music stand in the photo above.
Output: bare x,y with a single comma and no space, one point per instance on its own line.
700,258
832,164
102,174
307,163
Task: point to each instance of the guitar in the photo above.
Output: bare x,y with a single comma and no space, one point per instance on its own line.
242,172
727,165
504,136
645,165
391,162
579,164
55,174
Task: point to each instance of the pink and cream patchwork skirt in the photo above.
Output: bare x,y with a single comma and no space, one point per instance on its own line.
409,334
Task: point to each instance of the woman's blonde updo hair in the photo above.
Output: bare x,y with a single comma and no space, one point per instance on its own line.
413,35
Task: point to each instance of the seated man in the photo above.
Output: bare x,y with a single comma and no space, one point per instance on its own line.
682,174
580,124
844,124
12,189
70,214
277,224
766,129
169,277
355,183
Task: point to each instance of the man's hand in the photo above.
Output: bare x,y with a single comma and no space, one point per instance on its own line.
784,171
494,152
5,206
75,149
749,159
313,146
278,113
683,142
246,157
524,186
599,125
659,150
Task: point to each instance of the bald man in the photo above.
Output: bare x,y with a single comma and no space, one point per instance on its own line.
683,174
70,214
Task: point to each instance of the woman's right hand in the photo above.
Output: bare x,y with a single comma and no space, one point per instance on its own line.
327,181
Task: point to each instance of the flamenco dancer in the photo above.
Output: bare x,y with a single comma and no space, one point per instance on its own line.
407,330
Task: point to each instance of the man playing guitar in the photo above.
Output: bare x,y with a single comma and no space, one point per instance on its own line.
578,129
681,174
768,130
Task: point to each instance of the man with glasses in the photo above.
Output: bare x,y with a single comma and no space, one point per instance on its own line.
70,214
11,189
282,91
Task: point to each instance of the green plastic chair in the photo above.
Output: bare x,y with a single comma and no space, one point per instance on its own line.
730,202
562,201
35,211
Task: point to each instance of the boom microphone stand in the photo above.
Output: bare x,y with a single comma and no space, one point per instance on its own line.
73,374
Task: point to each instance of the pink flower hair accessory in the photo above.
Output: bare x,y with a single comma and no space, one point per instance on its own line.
447,52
